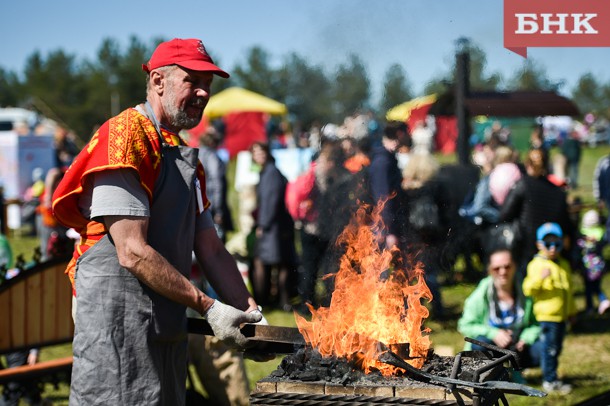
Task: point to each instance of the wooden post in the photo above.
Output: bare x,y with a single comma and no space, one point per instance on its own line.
462,90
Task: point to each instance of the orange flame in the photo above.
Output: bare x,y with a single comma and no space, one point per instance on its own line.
374,301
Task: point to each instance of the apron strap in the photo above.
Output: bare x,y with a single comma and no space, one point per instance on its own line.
151,115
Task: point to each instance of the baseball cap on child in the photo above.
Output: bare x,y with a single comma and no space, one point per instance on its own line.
590,218
548,229
187,53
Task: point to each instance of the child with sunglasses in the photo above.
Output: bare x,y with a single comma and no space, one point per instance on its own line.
549,284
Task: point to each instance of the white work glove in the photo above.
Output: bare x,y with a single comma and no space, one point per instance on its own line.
259,353
263,321
226,320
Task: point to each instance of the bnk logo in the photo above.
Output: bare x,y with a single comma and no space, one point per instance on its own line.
555,23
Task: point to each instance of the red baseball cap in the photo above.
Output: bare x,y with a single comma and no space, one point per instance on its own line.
187,53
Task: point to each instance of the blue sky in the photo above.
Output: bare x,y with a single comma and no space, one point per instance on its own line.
418,34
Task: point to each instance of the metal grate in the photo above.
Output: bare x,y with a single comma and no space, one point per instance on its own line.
485,385
301,399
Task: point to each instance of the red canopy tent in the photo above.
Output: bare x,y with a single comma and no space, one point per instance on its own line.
243,129
240,131
244,114
416,110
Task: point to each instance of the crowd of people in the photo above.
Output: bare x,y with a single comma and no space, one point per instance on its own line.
146,222
532,237
350,168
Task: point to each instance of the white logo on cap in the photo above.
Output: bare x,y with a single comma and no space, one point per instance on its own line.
201,49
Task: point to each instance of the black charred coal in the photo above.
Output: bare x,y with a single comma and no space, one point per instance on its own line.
308,365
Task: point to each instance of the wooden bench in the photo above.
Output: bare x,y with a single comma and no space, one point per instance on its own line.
41,369
35,312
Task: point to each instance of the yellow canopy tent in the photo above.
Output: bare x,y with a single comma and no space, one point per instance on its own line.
237,100
243,113
403,111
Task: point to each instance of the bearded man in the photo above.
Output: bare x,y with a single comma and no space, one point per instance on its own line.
136,195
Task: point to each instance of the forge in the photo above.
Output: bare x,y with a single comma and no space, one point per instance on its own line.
370,345
478,378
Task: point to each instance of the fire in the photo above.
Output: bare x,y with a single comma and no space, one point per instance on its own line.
374,301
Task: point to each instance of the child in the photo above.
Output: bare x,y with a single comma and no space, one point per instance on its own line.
549,283
591,242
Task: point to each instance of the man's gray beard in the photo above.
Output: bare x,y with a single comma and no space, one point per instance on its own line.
177,118
180,119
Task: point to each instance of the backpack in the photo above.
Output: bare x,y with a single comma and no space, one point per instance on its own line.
298,197
424,216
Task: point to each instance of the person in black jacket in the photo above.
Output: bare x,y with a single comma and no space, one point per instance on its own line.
572,149
274,233
331,203
384,178
533,201
423,213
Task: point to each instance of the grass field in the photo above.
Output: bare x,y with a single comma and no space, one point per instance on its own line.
585,362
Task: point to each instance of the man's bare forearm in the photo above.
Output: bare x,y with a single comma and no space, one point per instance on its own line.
221,270
149,266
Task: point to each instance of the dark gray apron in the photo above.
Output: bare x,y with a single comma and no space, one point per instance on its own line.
130,342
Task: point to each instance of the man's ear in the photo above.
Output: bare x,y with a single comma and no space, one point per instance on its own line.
157,81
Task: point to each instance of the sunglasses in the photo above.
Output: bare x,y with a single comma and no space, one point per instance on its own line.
552,244
497,268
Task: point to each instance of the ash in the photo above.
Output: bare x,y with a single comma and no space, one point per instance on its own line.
307,365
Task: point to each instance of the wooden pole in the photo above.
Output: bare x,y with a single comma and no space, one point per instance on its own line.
462,91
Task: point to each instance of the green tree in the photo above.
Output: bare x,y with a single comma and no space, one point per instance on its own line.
10,89
532,76
130,79
306,91
103,97
56,87
114,81
479,79
256,74
605,110
588,95
351,88
396,88
438,85
219,84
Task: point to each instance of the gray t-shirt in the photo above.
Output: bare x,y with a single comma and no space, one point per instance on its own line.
118,192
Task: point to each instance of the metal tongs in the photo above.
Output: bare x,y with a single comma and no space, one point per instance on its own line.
389,357
262,338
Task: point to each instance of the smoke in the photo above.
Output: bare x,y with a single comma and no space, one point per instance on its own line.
375,32
420,36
